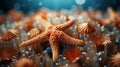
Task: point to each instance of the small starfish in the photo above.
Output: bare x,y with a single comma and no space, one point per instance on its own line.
114,16
54,34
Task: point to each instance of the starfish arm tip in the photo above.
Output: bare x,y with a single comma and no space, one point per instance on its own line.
82,42
66,25
55,47
22,44
68,39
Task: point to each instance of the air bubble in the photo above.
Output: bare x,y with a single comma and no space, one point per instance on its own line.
80,2
23,55
64,57
29,49
40,3
27,52
66,64
87,58
84,53
57,63
100,59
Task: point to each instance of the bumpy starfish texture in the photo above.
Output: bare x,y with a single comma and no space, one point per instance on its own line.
54,34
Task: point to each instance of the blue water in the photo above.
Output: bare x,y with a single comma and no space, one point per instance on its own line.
32,5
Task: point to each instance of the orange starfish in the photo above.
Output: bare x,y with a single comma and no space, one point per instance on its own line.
54,34
114,16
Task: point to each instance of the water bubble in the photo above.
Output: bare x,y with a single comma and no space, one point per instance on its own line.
102,28
87,58
88,48
27,52
57,63
23,55
80,2
29,49
66,64
84,53
105,66
53,30
100,59
8,65
71,17
64,57
60,55
40,3
22,51
56,21
99,53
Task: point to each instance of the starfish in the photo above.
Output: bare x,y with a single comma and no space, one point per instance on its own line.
54,34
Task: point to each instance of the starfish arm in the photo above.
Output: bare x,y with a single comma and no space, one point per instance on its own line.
70,40
54,46
111,13
43,22
66,25
38,39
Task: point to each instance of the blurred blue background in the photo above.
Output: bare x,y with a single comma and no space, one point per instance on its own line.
32,5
